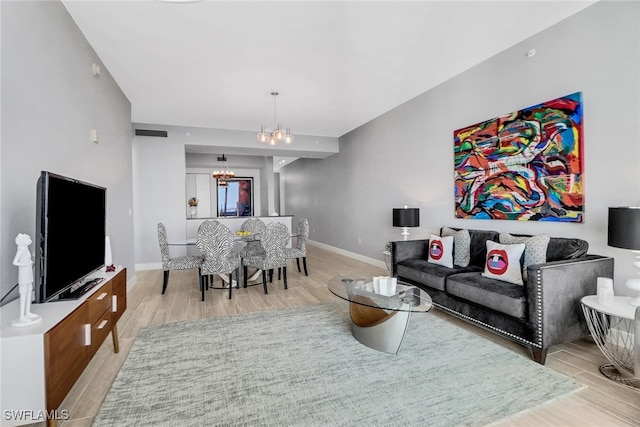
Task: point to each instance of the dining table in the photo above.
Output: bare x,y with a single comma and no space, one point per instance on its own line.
255,276
238,238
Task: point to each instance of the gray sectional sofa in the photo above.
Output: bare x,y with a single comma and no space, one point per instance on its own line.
542,312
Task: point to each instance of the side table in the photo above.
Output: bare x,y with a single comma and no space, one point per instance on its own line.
614,328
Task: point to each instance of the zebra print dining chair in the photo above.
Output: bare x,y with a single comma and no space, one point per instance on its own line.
215,242
253,248
273,243
173,263
300,251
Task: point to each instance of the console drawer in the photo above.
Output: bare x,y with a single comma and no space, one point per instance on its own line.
99,331
66,355
119,299
100,302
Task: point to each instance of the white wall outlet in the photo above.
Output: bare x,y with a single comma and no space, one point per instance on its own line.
95,136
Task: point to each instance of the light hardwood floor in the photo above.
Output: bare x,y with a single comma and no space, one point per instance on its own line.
601,403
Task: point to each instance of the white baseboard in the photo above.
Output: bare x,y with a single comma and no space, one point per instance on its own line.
368,260
149,266
131,281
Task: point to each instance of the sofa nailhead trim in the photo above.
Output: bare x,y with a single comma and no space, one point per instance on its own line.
539,306
471,319
393,259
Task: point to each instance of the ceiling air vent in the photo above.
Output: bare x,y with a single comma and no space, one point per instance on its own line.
148,132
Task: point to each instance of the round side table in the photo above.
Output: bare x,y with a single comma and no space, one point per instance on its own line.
613,328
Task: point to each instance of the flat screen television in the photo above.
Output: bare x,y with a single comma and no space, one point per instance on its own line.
70,234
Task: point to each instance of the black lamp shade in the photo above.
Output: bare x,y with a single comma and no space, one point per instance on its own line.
406,217
624,228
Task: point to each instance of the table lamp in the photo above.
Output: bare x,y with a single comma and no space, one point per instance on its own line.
405,218
624,232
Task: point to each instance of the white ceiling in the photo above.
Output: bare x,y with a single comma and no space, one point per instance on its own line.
336,64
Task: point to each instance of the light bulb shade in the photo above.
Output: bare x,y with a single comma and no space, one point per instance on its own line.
272,140
278,134
624,228
406,217
288,138
262,135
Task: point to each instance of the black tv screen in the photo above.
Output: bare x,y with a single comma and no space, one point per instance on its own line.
70,233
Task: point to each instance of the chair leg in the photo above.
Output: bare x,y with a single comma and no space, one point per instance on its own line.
298,264
264,281
245,270
202,286
238,278
304,262
271,276
284,276
230,283
165,281
278,273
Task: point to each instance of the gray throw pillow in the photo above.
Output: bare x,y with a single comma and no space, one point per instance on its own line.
461,245
535,248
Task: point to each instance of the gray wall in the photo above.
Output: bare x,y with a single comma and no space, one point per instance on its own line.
405,157
50,103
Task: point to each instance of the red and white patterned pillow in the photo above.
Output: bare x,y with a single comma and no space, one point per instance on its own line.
441,250
503,262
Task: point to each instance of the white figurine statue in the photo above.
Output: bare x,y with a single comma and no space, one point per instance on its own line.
25,282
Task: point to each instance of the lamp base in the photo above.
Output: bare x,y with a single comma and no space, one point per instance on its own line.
405,233
634,284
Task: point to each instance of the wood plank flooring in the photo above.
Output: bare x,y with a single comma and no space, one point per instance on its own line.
601,403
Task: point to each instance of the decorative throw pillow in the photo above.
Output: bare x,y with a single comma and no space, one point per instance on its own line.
461,245
535,251
441,250
503,262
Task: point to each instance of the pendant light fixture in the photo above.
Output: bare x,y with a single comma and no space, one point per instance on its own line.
224,174
279,133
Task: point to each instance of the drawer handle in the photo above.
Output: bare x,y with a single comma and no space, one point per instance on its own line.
102,324
87,334
101,297
114,303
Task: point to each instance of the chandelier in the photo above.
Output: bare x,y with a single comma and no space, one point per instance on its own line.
279,133
223,175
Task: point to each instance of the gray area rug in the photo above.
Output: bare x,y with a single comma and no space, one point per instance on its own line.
302,367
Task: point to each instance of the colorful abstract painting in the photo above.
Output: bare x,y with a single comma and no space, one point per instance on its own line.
527,165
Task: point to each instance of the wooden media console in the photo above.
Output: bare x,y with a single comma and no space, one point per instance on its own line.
41,363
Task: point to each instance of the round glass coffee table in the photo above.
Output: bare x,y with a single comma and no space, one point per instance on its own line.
379,321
